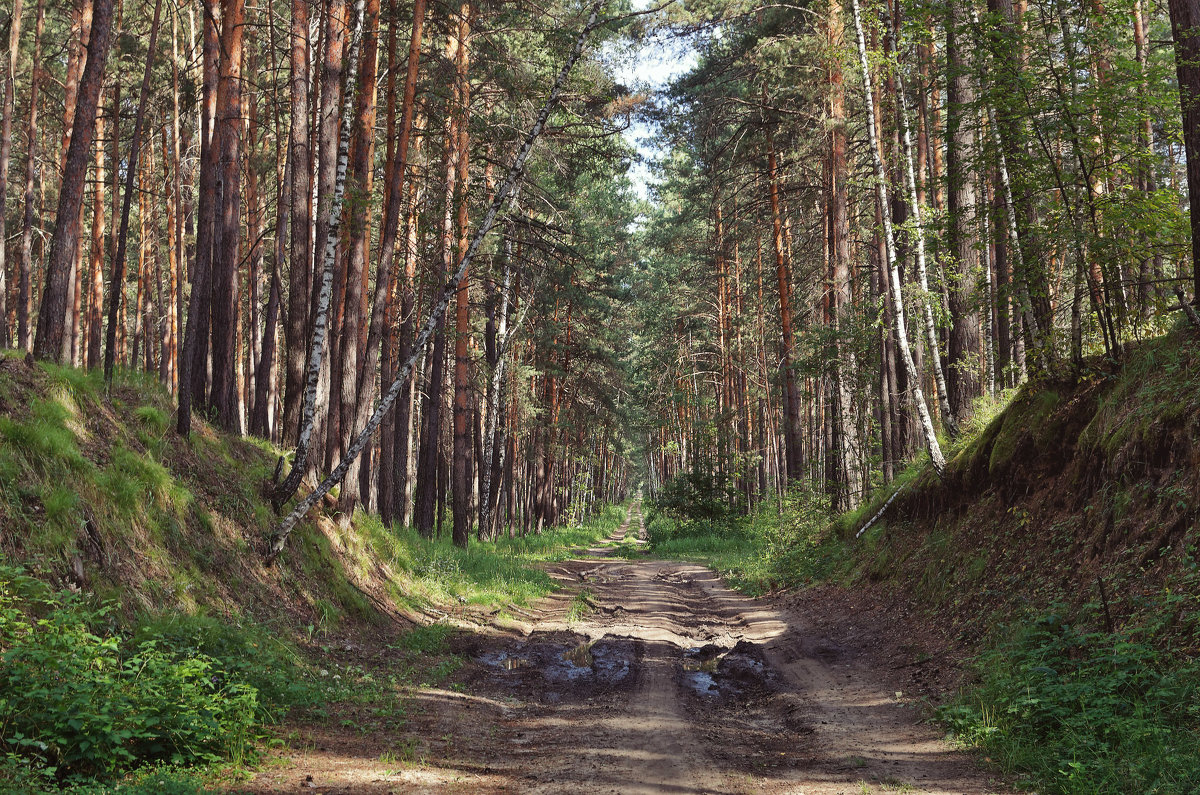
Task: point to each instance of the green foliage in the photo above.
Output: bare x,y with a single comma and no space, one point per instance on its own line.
776,545
246,654
1085,712
696,495
79,700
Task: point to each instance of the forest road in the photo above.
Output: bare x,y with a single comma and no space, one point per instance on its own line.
649,676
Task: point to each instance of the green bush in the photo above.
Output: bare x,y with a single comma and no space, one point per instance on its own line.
79,701
772,546
1083,712
697,495
244,654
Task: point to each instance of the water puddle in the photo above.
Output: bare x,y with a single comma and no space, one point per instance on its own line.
502,659
580,656
601,663
714,670
702,682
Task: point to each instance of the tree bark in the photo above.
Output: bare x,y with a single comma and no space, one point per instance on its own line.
931,442
225,282
193,370
299,192
31,148
962,378
50,338
791,421
431,406
356,375
94,325
1185,25
847,481
462,319
9,108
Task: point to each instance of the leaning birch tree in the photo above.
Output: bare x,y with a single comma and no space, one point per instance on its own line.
515,170
885,212
308,414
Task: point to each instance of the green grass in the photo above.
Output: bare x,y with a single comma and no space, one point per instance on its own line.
773,547
488,573
580,607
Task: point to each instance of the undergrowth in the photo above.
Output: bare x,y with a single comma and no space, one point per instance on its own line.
1076,712
775,545
81,700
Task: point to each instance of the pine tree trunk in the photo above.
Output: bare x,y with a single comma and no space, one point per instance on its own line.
227,237
50,340
8,109
431,406
962,377
1185,25
299,191
791,396
193,370
168,363
95,313
353,373
462,320
848,489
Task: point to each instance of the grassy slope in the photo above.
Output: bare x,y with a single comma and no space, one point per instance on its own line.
99,496
1062,546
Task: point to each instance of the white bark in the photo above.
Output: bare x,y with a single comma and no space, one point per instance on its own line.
279,537
321,327
1010,212
935,450
931,336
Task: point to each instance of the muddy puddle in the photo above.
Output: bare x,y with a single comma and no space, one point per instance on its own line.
718,671
554,670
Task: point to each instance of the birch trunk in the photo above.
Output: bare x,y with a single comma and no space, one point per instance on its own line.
437,311
321,326
931,335
931,442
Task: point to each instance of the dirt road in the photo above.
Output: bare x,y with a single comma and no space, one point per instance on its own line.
644,676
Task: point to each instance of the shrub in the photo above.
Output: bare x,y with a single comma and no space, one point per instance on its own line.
79,701
697,495
1085,712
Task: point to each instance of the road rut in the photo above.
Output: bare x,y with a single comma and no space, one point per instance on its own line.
647,676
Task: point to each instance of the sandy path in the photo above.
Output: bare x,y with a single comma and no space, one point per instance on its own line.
670,683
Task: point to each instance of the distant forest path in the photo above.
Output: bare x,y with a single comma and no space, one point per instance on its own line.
649,676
